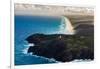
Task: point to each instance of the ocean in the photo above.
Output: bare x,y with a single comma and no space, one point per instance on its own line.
28,25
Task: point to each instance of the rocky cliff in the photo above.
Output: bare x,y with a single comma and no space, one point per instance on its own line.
62,47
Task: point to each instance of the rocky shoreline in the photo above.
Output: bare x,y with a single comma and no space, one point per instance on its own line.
64,48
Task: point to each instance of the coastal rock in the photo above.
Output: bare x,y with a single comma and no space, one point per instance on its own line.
63,48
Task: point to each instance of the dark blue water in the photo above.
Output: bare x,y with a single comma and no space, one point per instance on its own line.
27,25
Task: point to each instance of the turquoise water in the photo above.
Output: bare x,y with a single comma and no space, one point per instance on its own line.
27,25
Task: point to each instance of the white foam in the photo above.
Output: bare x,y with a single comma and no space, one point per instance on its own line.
30,44
27,47
25,51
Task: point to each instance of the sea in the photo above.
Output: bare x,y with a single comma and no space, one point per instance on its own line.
25,26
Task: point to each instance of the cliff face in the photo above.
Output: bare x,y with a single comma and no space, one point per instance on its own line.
62,47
